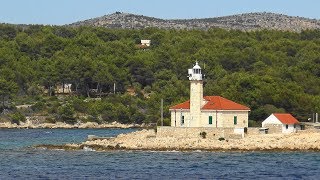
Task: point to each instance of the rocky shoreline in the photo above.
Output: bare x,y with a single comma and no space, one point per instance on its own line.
61,125
147,140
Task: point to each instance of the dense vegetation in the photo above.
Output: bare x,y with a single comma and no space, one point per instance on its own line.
269,71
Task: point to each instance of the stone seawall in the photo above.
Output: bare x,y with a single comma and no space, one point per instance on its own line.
194,132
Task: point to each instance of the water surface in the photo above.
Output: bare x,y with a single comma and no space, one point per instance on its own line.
19,161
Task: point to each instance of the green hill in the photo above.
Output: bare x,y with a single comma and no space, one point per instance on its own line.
268,70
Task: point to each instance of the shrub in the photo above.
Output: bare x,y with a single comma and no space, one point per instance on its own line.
253,123
17,117
221,139
34,90
39,106
53,107
96,119
66,113
79,105
166,122
203,134
50,120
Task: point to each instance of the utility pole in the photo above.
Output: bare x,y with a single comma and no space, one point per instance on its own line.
161,112
313,117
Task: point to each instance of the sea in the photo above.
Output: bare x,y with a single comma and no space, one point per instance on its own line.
20,160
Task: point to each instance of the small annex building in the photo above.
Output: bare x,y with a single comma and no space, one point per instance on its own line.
281,123
207,111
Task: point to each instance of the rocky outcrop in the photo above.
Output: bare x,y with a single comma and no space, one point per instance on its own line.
243,22
147,140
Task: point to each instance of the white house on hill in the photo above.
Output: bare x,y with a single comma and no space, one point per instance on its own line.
281,122
207,111
146,42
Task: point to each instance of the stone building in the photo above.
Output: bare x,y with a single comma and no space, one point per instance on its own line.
207,111
281,123
63,89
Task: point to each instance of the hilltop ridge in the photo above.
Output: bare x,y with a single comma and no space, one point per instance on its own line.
243,22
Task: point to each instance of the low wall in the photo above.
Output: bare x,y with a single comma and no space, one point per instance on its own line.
253,131
194,132
273,128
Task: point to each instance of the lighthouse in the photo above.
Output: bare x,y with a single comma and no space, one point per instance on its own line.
207,111
196,94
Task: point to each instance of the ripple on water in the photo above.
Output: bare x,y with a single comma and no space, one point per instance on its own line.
19,162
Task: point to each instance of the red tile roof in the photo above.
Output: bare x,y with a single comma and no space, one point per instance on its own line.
286,118
220,103
214,103
184,105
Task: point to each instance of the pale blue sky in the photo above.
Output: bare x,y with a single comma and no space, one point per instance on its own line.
60,12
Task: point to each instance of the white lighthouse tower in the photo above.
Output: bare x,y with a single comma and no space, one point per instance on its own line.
196,95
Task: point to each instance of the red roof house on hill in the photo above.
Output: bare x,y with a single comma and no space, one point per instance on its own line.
281,122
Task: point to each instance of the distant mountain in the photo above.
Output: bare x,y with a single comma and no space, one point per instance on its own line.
244,22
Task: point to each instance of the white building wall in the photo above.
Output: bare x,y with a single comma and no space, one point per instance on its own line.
271,120
227,118
205,119
176,117
146,42
173,120
242,118
291,128
219,119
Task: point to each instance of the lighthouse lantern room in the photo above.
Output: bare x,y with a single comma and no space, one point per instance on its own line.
195,73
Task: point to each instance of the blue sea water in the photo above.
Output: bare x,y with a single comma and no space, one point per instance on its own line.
19,161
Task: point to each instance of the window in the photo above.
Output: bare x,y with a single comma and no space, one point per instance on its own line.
196,71
210,119
182,120
294,126
287,126
235,120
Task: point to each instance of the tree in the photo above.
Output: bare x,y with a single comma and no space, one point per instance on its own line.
47,74
7,90
66,113
102,76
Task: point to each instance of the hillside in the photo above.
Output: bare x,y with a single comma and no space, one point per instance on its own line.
244,22
268,71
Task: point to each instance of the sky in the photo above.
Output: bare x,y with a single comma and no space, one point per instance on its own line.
59,12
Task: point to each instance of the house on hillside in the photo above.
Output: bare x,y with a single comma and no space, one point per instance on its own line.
63,89
145,42
281,123
207,111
